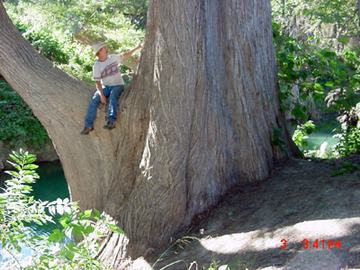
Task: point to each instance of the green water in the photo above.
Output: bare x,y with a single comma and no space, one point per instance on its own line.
51,185
323,132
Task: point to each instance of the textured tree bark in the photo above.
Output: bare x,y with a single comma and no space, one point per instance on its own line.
200,117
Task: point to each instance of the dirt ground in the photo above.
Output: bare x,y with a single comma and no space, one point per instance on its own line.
300,203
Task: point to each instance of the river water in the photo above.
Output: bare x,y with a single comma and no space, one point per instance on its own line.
51,185
323,132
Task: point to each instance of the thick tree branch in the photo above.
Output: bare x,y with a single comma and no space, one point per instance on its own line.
59,102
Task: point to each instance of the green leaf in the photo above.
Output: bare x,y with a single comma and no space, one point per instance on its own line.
65,220
87,214
27,189
329,84
299,113
56,236
12,173
344,40
14,157
318,88
16,166
2,199
77,229
32,173
28,179
38,222
88,229
31,167
30,159
115,228
68,254
96,214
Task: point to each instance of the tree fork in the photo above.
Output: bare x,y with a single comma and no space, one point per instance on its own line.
59,102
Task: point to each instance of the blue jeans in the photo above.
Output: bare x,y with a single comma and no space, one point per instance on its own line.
112,93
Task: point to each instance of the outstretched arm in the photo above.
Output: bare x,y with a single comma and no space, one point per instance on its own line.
128,54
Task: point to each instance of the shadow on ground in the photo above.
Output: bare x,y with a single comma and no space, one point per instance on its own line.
301,200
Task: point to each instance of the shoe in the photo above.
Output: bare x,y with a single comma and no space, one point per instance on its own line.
86,131
109,125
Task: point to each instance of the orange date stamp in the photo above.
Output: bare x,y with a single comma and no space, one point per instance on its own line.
314,244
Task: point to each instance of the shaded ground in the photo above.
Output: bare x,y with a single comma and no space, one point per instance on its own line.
301,200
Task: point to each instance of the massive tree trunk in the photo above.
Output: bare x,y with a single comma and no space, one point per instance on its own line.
200,117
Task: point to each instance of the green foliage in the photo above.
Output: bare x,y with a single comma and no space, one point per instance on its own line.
60,48
332,22
45,43
62,30
80,62
18,124
51,28
89,12
18,209
331,80
301,133
136,10
313,42
317,73
215,265
349,142
276,138
344,96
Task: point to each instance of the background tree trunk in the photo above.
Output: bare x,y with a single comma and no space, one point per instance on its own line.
200,117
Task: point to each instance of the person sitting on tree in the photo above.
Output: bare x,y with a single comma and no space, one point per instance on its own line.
109,84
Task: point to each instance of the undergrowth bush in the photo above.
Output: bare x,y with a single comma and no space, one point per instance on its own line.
18,124
57,250
312,75
349,142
